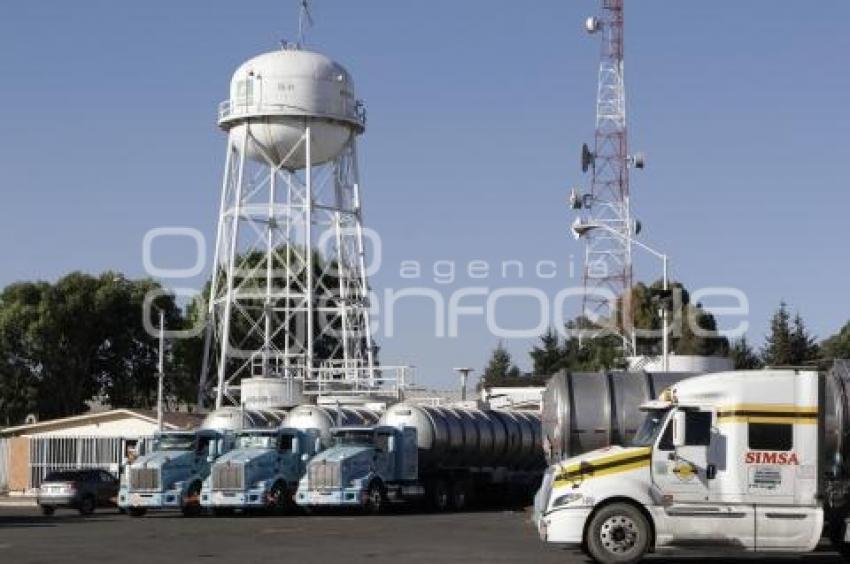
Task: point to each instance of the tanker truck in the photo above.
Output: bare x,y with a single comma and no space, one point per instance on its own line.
441,455
171,475
752,461
263,469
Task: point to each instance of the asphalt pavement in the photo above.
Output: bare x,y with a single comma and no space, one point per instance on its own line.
479,537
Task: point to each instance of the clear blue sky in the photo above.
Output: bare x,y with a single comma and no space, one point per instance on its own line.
477,110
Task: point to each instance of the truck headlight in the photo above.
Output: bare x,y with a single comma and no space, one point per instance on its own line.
566,499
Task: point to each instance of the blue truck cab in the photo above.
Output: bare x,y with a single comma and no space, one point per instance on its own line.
366,467
171,475
261,472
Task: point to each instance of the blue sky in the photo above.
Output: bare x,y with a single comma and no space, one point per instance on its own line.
477,110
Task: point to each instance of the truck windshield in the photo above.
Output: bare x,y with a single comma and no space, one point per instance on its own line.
175,442
649,429
255,441
354,437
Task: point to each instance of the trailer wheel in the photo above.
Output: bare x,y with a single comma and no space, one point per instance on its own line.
440,497
460,495
137,511
375,498
48,510
617,534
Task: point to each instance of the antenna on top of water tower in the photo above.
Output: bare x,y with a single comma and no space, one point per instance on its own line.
305,22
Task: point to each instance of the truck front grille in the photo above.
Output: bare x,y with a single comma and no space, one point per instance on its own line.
228,477
144,478
324,474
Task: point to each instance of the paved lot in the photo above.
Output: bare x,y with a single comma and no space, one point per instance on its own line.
486,537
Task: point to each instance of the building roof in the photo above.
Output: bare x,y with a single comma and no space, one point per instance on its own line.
170,421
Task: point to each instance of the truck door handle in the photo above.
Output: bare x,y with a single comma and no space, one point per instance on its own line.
711,472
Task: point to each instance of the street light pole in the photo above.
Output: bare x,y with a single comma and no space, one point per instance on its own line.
161,369
580,229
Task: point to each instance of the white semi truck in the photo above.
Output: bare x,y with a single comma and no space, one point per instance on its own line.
748,461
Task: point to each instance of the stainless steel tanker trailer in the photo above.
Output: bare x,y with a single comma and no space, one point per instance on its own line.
442,455
586,411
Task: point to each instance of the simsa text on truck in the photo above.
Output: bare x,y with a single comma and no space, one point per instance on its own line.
746,461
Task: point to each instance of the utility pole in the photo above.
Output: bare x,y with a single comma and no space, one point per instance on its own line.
161,369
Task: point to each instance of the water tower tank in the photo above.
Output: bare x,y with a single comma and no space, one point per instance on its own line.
277,95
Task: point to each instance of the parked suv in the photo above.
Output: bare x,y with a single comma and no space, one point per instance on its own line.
83,490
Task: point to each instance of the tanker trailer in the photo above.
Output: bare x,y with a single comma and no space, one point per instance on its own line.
586,411
263,469
441,455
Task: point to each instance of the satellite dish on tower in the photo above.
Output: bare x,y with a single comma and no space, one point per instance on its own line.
591,25
587,158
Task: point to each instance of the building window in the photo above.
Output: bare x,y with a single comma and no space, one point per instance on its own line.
770,436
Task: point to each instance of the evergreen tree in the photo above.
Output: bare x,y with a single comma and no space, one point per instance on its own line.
548,358
789,342
836,347
804,347
500,370
743,355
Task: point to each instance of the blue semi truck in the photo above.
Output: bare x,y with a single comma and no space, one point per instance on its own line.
261,472
171,475
444,456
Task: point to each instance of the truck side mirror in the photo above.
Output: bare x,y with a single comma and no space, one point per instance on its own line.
304,457
679,427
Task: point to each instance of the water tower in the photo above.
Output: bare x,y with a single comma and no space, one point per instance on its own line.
288,309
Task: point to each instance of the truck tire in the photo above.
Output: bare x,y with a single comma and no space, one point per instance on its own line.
376,499
48,510
439,497
460,495
279,499
836,536
137,511
87,505
191,505
617,534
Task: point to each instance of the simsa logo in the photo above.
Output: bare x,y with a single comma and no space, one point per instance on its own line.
789,458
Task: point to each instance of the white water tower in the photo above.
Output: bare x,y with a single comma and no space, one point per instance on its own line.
289,295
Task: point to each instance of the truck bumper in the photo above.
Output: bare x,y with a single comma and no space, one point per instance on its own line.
250,498
564,526
150,500
347,497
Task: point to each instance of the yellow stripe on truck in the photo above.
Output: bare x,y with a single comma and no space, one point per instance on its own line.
605,466
768,413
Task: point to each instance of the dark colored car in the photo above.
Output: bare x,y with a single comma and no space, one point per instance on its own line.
83,490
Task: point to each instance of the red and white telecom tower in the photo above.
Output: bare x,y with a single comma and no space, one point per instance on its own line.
605,221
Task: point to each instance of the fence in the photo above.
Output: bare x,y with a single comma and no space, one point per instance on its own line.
66,453
4,465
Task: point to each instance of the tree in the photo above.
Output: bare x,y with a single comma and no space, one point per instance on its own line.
743,355
500,370
548,358
83,337
789,342
837,346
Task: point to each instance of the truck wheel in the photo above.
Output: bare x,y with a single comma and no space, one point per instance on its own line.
375,499
137,511
617,534
440,497
48,510
836,536
278,499
87,505
191,504
460,495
